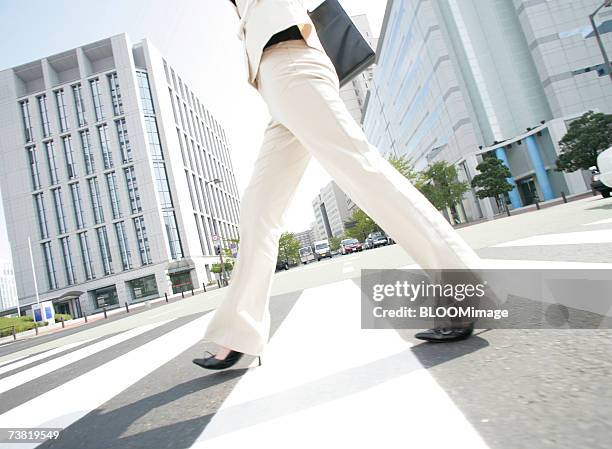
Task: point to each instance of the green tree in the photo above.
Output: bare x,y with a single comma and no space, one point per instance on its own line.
334,243
492,181
405,166
441,186
361,225
586,137
288,247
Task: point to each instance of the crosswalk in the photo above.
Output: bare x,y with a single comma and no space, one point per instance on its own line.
324,381
301,385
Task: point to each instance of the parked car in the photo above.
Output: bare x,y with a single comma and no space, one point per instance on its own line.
348,246
322,249
281,265
604,177
376,239
306,255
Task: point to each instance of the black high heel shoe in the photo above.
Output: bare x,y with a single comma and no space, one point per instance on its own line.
215,364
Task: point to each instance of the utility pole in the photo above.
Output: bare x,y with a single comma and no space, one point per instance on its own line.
607,64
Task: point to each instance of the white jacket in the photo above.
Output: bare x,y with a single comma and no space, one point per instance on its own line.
261,19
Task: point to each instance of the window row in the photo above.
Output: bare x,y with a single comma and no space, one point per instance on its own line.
79,107
95,201
87,154
104,252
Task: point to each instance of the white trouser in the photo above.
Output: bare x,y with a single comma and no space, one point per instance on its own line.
300,86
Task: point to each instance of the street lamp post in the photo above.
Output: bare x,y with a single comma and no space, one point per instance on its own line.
607,64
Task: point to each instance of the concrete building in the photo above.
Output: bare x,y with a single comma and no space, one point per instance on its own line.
458,80
117,173
354,92
8,290
330,209
305,237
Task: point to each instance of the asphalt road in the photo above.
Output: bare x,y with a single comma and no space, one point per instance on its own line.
324,380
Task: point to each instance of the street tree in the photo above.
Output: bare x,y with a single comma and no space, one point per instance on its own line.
361,225
441,186
492,181
334,243
586,137
405,166
288,247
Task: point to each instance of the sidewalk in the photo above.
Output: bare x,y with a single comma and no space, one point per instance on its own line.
110,313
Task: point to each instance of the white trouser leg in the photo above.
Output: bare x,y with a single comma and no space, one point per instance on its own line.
242,322
300,86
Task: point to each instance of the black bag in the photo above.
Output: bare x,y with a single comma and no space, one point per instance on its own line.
346,47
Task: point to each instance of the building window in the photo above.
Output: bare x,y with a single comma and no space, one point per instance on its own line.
59,210
174,240
105,254
145,93
113,82
27,120
50,150
97,98
34,173
153,138
124,141
77,204
124,249
104,297
143,241
96,202
111,182
49,263
42,216
44,115
70,165
61,110
88,156
68,265
130,179
143,288
86,256
79,104
162,186
107,155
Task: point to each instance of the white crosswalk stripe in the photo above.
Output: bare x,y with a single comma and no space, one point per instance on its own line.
567,238
44,368
26,360
77,397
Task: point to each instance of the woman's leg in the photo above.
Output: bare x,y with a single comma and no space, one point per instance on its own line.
301,89
242,321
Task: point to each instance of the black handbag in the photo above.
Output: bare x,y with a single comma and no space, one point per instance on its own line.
346,47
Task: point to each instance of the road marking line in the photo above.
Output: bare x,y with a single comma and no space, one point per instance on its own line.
364,388
76,398
37,371
598,222
568,238
42,355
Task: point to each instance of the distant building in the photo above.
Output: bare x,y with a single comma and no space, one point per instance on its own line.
8,289
304,237
116,171
330,212
457,80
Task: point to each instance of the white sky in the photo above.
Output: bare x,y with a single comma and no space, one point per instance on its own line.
197,37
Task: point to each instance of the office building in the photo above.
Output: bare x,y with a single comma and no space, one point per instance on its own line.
355,91
8,290
117,174
330,212
460,79
304,237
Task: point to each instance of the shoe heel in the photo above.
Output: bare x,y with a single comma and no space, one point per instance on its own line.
259,360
